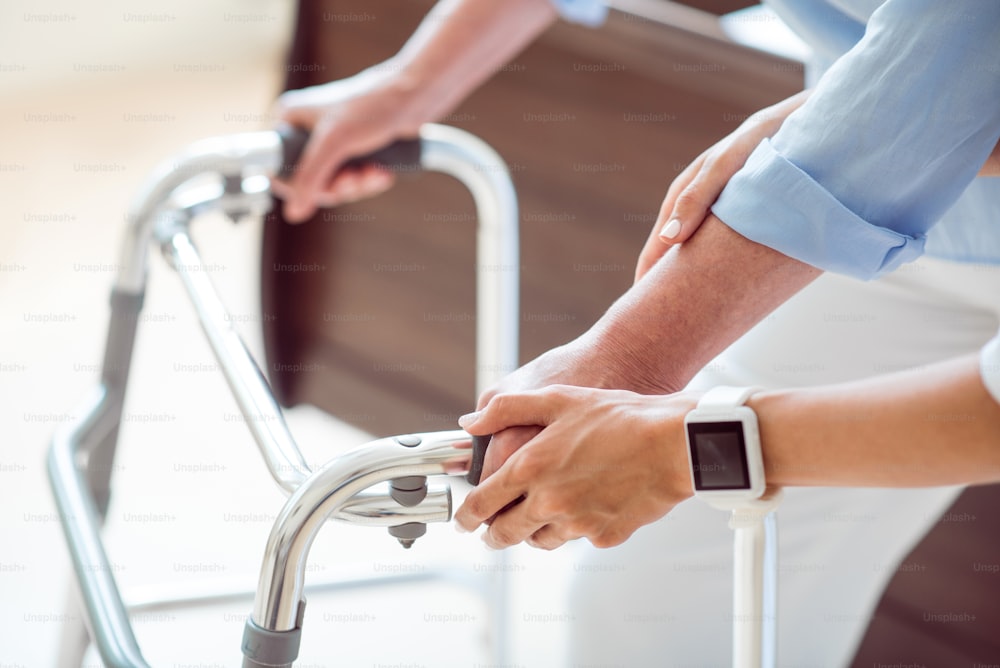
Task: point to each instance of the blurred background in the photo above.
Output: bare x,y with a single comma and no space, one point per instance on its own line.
593,123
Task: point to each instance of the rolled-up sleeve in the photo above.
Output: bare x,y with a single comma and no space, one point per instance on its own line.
892,135
587,12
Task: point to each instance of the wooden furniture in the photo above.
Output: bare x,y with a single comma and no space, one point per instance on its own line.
370,307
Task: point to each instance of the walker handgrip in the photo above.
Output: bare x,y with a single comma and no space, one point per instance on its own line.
401,156
479,445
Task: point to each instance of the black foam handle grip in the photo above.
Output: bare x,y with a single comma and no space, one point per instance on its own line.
401,156
479,445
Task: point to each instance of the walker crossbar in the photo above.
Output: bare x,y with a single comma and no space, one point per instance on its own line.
230,174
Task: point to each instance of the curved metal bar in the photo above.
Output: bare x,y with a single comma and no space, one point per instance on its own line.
227,155
379,509
481,169
324,493
161,210
498,266
260,410
444,149
106,617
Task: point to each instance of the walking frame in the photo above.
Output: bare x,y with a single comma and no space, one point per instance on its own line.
80,460
231,174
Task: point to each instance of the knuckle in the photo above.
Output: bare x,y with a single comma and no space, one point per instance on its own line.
579,526
564,390
523,469
548,544
502,534
690,198
486,397
548,506
612,536
474,506
499,403
602,541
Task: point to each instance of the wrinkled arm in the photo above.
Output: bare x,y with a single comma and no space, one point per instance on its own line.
695,302
691,305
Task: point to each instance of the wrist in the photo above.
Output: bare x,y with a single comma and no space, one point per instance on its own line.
769,407
631,354
620,360
403,88
671,433
724,448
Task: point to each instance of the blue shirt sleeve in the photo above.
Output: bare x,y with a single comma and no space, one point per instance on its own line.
588,12
892,135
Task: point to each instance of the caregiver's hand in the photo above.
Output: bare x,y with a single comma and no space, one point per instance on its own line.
587,361
347,118
693,192
605,463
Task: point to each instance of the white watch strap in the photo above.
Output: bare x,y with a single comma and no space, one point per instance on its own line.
725,397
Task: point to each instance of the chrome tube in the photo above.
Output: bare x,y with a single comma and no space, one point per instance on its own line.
481,169
326,492
260,410
226,155
105,614
444,149
162,211
379,509
498,272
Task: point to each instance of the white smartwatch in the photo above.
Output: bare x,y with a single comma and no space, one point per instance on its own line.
727,467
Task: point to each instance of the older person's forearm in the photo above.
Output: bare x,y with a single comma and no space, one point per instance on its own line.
695,301
460,44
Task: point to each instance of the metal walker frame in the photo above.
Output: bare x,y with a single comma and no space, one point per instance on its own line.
82,452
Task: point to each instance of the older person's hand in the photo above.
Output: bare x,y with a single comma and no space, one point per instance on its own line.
605,463
691,195
347,118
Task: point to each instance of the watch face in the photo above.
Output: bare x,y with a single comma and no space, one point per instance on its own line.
718,456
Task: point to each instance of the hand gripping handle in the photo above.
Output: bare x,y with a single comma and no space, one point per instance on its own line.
401,156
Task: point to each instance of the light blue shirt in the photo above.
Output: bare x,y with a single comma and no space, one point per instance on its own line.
903,116
888,144
588,12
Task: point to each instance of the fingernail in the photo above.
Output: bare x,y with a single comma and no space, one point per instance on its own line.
469,419
671,229
460,529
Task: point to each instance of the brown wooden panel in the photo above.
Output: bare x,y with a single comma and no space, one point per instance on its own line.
594,125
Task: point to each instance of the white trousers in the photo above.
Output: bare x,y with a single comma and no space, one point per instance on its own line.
664,597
